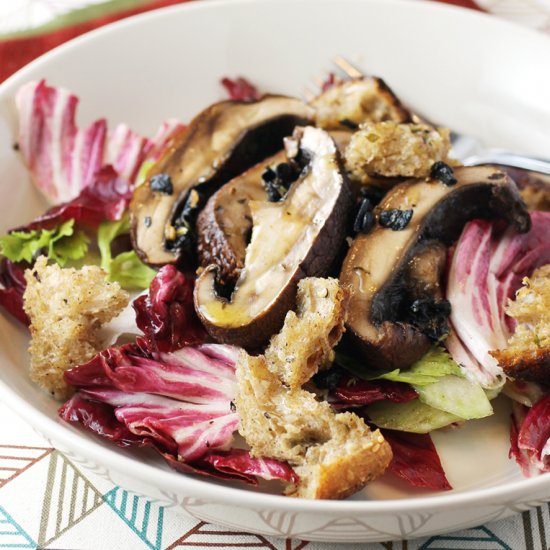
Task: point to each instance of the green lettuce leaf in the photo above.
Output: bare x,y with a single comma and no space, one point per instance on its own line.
440,385
427,370
413,416
126,268
457,396
60,244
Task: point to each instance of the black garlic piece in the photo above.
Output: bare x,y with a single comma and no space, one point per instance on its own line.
395,219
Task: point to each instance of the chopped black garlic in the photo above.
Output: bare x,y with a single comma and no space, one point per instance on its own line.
349,124
277,180
430,317
181,234
443,172
285,173
16,146
365,219
395,219
162,183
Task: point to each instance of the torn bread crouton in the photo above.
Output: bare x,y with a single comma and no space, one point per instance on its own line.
527,356
348,104
334,455
305,342
66,308
388,149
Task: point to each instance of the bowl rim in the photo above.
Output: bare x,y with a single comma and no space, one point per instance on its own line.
81,442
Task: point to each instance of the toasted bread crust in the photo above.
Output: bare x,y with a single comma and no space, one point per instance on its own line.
305,342
334,454
527,356
346,474
67,308
531,365
357,101
394,150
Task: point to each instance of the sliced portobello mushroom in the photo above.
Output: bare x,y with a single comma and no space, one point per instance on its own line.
224,225
221,142
298,236
396,308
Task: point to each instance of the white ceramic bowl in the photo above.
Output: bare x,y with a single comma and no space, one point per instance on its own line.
469,71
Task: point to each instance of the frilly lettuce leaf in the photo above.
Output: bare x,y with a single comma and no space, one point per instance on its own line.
60,244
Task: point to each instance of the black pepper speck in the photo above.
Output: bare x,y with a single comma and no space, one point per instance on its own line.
349,124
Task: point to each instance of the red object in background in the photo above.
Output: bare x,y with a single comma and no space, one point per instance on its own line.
17,52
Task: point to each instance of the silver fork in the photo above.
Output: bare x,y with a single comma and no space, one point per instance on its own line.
468,149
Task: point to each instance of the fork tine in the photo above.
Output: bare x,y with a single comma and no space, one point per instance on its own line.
348,68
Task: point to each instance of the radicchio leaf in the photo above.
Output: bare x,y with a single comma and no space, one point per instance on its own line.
105,198
168,130
530,437
415,460
166,315
240,89
100,419
361,393
240,460
62,158
12,288
126,152
486,268
180,403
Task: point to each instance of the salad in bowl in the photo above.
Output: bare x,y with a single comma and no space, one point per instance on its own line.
300,292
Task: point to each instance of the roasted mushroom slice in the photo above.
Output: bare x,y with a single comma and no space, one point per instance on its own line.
221,142
396,308
350,103
224,225
298,236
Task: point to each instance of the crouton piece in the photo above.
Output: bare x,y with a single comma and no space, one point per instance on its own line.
536,198
305,342
391,150
350,103
527,356
334,454
353,456
534,188
66,307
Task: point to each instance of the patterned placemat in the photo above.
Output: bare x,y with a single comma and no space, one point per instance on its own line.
46,501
